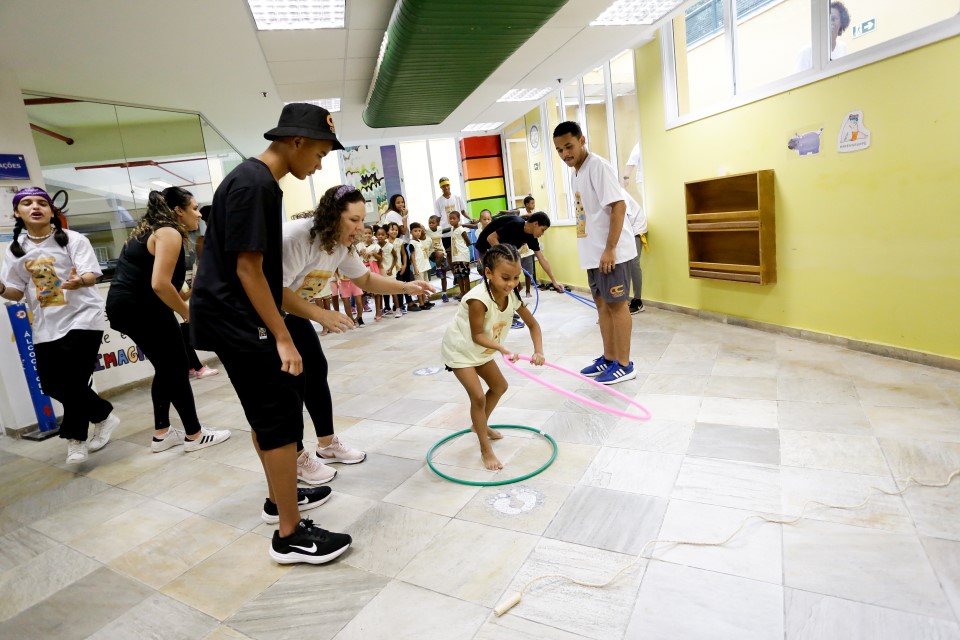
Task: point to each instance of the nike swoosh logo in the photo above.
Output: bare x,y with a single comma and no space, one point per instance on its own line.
311,549
303,500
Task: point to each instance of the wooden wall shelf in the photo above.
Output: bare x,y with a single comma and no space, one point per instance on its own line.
731,234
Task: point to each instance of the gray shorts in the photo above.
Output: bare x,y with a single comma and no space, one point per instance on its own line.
527,265
612,287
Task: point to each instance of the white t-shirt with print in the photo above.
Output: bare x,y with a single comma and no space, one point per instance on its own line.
458,350
459,248
421,249
436,238
40,274
307,266
389,257
443,206
596,188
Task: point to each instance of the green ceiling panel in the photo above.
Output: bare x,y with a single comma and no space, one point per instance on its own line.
440,51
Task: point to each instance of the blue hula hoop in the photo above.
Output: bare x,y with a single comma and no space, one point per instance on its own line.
536,303
581,299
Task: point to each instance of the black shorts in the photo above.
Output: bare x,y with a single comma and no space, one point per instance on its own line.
269,396
461,269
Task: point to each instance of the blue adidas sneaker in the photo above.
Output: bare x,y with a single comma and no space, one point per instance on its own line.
616,372
599,366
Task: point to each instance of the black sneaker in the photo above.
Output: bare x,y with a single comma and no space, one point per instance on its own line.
414,307
308,544
306,499
636,306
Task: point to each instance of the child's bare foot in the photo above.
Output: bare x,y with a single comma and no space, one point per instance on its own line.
490,461
494,435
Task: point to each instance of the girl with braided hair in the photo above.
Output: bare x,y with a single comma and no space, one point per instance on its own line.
54,271
478,331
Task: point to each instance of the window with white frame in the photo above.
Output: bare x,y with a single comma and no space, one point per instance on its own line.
776,45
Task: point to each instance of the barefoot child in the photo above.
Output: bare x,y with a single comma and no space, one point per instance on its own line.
477,334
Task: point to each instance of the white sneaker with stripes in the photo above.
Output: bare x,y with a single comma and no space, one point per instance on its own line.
207,438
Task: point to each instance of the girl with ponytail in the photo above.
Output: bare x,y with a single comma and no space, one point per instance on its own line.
143,297
54,271
478,332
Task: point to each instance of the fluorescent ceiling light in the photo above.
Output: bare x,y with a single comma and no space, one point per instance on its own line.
297,14
161,184
523,95
482,126
633,12
330,104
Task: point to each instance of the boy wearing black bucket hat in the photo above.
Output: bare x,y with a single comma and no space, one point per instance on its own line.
235,312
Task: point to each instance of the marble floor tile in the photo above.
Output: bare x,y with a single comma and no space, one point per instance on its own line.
365,405
829,418
390,616
526,417
22,545
743,444
128,467
449,416
644,472
224,582
464,451
745,366
811,616
40,577
896,394
663,436
865,565
755,552
386,537
175,551
406,411
529,506
681,409
428,492
470,561
223,632
413,442
820,391
739,413
741,485
945,557
605,519
832,452
940,425
57,616
583,611
936,510
239,452
158,617
308,602
87,513
367,435
154,481
675,384
684,367
926,461
240,509
579,428
746,388
572,460
209,486
515,628
691,351
114,537
848,489
680,602
376,476
38,479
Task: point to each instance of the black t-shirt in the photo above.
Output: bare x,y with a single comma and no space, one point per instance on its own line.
246,215
509,230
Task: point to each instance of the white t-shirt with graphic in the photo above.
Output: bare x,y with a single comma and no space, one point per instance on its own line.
389,257
459,248
436,238
421,249
458,350
444,206
307,266
596,188
40,274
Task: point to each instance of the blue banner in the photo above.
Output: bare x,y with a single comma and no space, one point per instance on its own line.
13,167
20,321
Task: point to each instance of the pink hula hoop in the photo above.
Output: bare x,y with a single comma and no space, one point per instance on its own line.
574,396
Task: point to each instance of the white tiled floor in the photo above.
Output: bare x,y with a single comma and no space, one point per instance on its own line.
134,544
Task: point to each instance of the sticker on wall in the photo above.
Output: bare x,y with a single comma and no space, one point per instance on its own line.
534,137
806,144
853,135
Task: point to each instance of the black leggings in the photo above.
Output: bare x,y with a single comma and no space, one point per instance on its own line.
157,333
192,358
65,366
312,383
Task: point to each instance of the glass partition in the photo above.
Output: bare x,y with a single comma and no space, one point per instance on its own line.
626,122
595,104
107,158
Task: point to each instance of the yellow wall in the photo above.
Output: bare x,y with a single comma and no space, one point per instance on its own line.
538,171
868,243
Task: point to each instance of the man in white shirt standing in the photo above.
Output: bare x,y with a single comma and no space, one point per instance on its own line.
446,203
605,244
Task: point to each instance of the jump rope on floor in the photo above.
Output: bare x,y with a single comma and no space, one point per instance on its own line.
514,600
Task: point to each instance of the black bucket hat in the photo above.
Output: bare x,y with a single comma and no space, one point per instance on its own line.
305,120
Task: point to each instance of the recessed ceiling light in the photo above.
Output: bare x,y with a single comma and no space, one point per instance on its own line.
633,12
482,126
330,104
297,14
523,95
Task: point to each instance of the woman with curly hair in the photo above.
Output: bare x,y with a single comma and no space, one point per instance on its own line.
143,297
313,249
55,272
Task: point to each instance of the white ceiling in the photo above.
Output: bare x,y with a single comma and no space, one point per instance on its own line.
208,57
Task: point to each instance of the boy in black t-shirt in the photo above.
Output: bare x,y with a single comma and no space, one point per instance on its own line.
235,312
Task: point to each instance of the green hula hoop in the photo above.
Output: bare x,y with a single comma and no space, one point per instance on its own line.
495,483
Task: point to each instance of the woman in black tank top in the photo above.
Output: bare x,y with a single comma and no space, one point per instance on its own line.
143,297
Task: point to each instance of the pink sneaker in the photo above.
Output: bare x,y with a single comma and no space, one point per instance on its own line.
336,451
205,372
312,471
